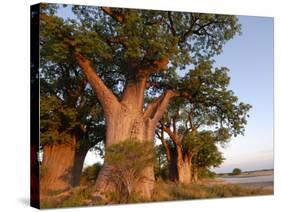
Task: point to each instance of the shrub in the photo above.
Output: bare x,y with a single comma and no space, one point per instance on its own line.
128,159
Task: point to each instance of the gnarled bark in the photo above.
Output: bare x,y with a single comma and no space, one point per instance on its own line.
127,123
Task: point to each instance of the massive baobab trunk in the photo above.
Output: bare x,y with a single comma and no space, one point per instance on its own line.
57,167
126,118
62,166
127,121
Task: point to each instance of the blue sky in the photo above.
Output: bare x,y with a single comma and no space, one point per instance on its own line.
250,60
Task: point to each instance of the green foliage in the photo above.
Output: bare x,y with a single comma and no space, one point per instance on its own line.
207,156
68,107
236,171
205,173
67,104
56,124
142,37
210,116
90,173
127,160
212,103
193,142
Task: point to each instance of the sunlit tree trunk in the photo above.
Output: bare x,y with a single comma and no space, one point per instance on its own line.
57,167
127,121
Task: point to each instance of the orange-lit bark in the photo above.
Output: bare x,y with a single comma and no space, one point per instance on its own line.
57,167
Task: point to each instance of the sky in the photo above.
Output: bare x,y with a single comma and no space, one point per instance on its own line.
249,57
250,60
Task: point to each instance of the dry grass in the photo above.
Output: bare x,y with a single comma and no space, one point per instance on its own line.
171,191
164,191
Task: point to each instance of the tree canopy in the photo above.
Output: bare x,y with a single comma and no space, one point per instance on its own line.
126,43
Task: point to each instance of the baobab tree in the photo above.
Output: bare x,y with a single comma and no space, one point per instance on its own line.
211,105
71,123
142,50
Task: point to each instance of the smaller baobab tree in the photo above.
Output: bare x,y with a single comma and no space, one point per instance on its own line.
212,114
71,118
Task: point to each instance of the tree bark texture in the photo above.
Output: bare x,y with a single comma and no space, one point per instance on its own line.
184,172
58,160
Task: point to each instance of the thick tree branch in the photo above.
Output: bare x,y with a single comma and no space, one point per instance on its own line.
162,106
107,99
150,110
117,16
156,108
